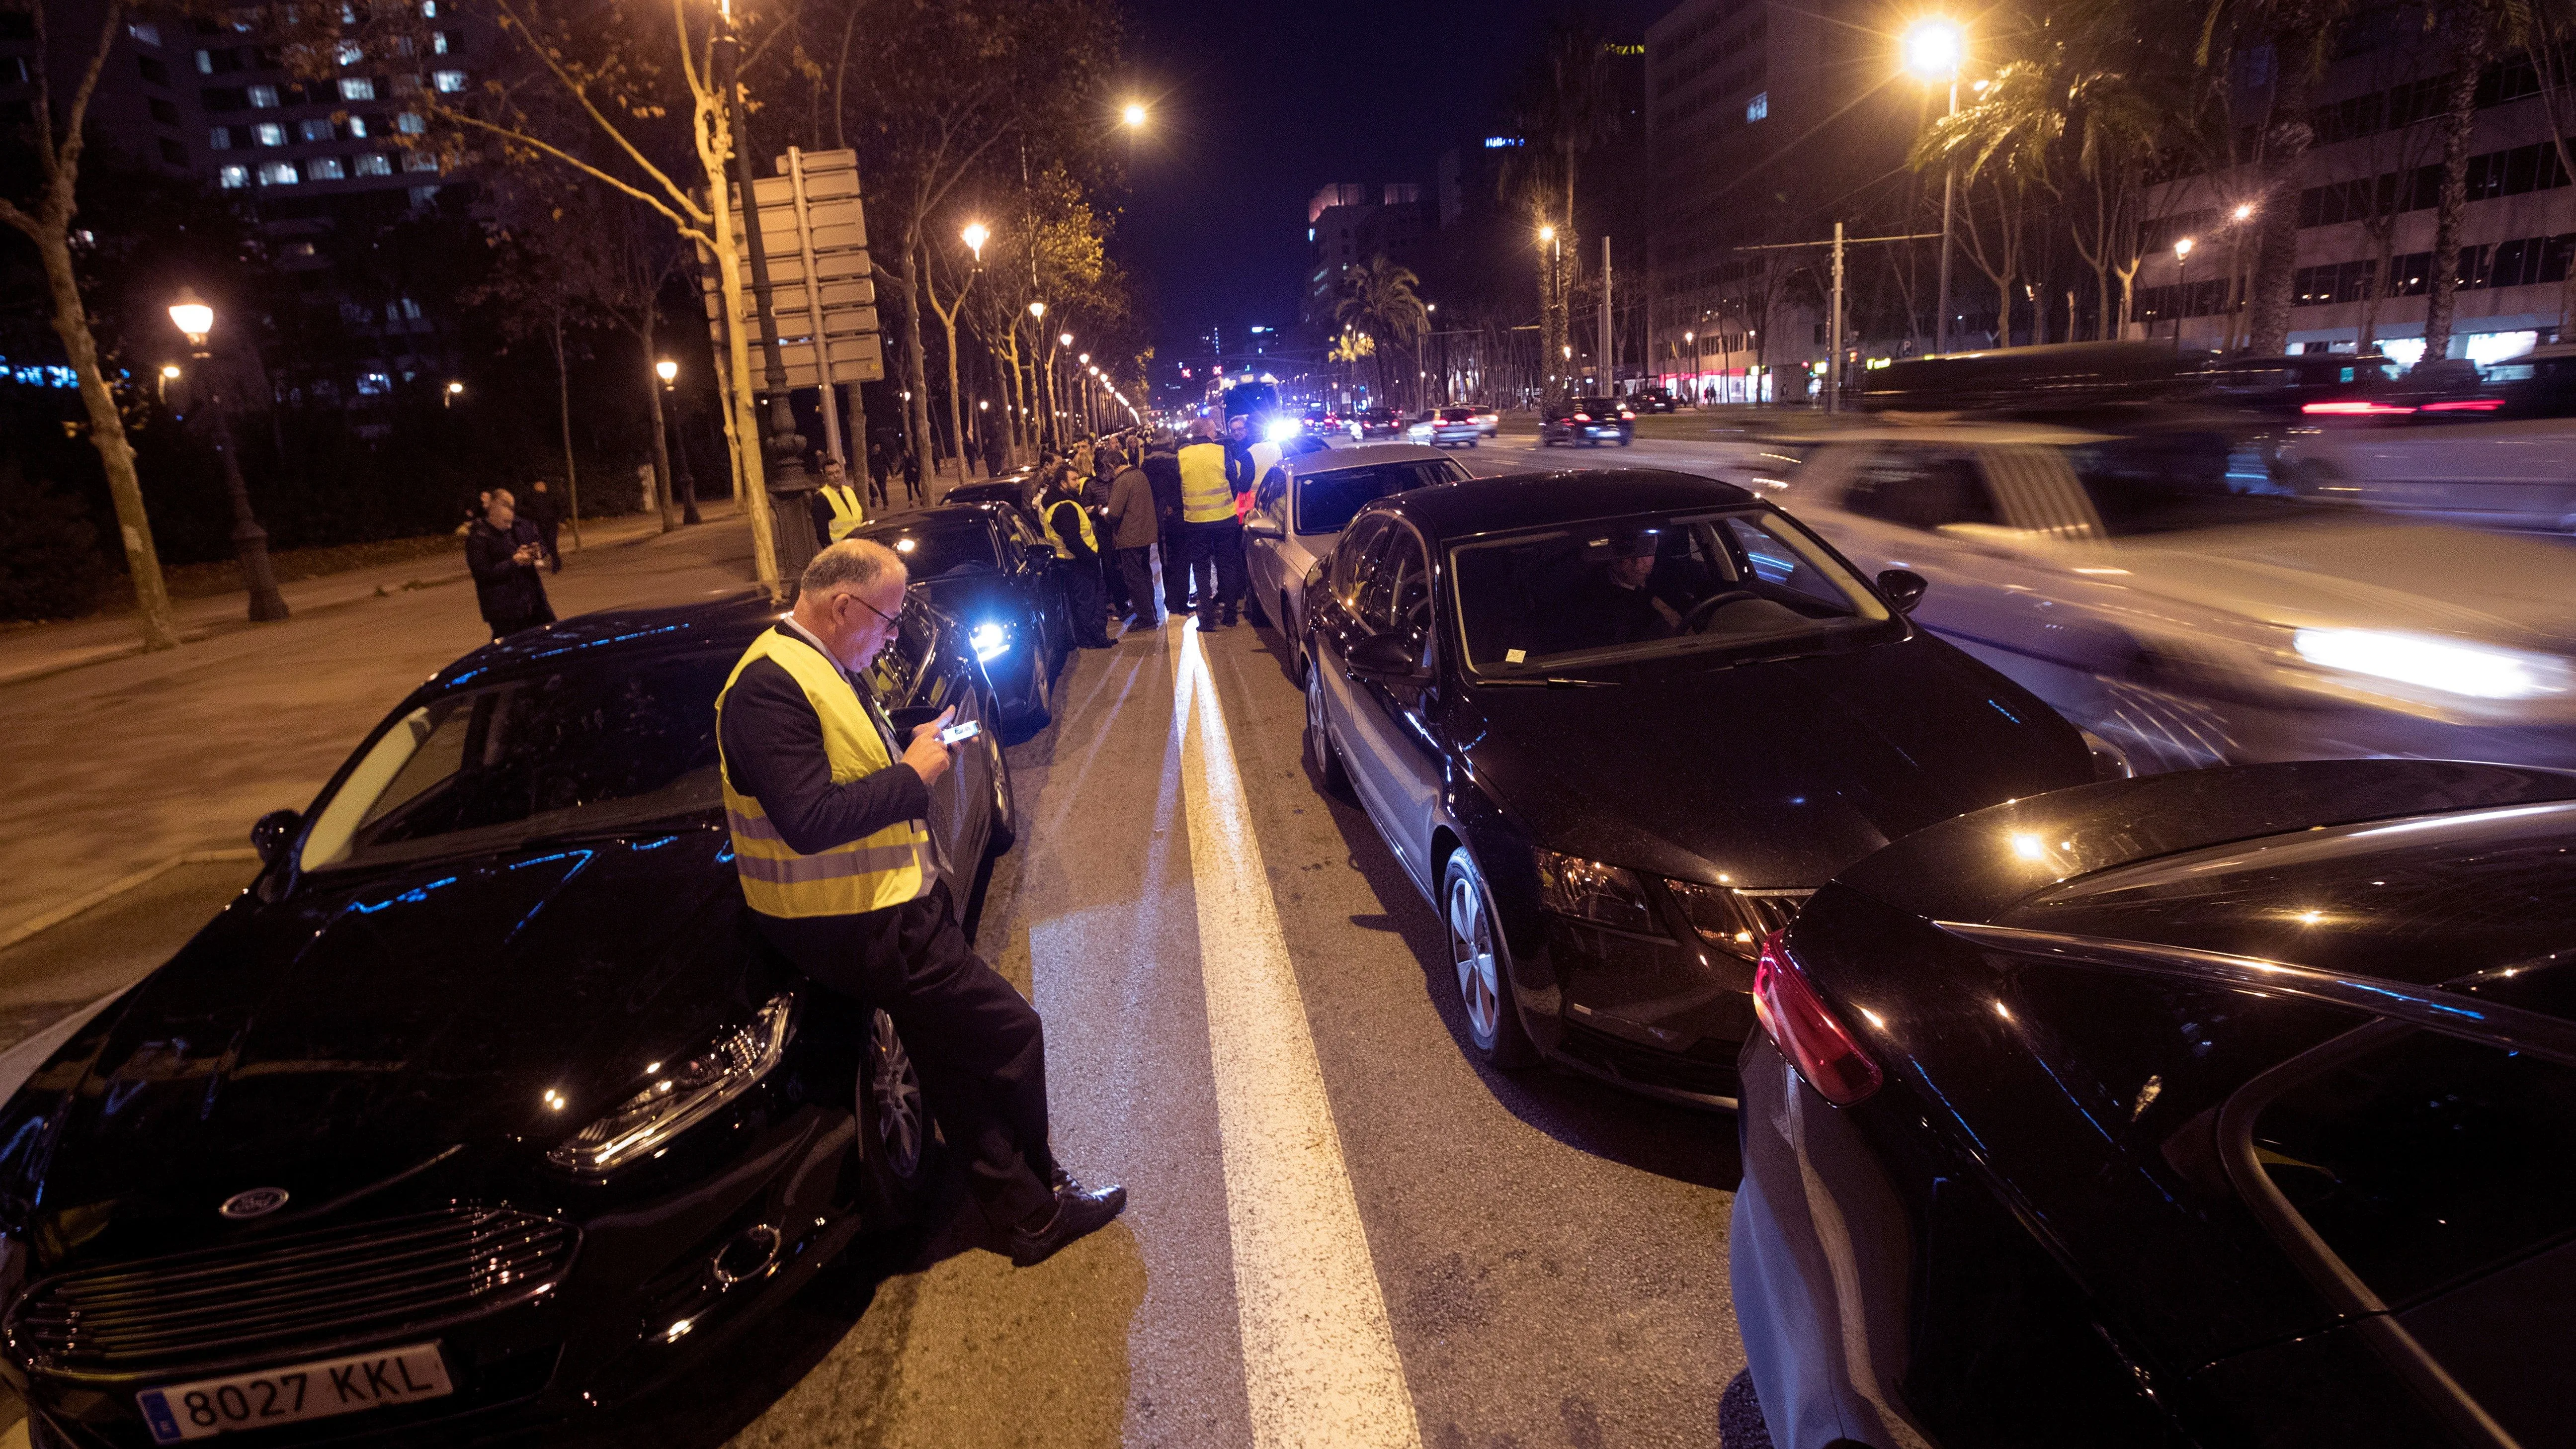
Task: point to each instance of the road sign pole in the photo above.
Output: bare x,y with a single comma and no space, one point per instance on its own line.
814,303
790,491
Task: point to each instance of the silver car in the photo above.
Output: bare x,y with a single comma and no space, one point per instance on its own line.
1298,510
2157,590
2501,455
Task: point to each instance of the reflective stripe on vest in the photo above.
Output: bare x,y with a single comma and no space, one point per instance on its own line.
885,869
846,512
1089,541
1206,496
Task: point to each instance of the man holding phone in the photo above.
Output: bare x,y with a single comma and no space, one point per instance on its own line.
832,842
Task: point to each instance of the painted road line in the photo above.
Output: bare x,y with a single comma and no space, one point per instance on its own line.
1319,1359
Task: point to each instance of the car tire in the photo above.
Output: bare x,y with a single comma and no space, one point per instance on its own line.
894,1129
1471,442
1252,607
1481,962
1625,439
1321,757
1040,705
1006,827
1299,664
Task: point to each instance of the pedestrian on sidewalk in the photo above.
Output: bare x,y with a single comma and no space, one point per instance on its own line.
1132,526
844,878
1095,500
835,506
911,476
880,470
542,512
1163,470
1077,554
504,552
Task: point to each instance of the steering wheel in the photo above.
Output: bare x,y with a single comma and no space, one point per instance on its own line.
1696,621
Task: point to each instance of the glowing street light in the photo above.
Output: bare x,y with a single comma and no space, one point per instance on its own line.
667,370
1038,310
1085,360
975,235
1064,339
1933,48
455,390
1133,115
2182,287
1547,233
196,321
2244,209
2182,250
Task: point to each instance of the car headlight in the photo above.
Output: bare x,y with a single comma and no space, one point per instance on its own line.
1735,920
682,1094
991,641
1588,890
2453,666
1282,429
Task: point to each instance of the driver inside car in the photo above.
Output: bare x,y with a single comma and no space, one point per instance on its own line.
1613,602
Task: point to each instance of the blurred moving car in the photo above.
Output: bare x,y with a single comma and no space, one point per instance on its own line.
2228,1107
1445,427
483,1107
1377,423
1759,717
1649,400
2286,385
1301,506
2159,590
1489,421
2496,451
982,565
1587,421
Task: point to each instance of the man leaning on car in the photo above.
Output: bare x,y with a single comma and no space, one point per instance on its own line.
831,841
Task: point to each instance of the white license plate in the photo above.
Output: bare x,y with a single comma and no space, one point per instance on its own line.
315,1390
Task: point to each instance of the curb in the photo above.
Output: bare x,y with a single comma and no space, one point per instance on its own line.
35,925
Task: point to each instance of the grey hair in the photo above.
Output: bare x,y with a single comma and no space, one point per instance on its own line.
854,564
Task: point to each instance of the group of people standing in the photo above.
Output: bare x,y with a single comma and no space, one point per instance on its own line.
1118,507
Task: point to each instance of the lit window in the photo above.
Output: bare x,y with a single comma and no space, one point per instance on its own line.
424,196
316,129
299,249
233,178
1759,107
374,384
220,138
419,161
205,63
350,53
410,123
263,97
375,166
357,88
269,133
429,9
448,82
278,173
325,168
357,128
438,43
144,30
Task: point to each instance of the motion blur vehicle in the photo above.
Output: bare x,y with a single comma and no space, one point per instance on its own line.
1587,421
1446,428
2289,385
483,1106
1489,421
2160,590
1377,423
2497,451
1649,400
985,567
1617,726
2231,1107
1302,505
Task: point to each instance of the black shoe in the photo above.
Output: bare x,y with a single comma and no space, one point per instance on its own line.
1226,620
1079,1212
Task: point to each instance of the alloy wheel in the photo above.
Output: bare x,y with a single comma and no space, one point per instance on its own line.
1471,951
895,1088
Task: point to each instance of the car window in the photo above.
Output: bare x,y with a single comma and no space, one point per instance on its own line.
933,549
1351,558
897,672
1326,501
2174,482
1775,561
587,746
1397,597
1920,488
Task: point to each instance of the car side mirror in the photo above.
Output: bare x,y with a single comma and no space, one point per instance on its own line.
1261,526
273,833
1039,555
1903,588
1384,655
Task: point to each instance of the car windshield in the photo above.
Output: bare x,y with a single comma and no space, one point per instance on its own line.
1326,501
1457,415
597,744
1749,582
2175,482
931,549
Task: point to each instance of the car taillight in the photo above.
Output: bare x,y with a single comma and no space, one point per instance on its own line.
1625,415
2356,409
1583,417
1805,1029
2466,405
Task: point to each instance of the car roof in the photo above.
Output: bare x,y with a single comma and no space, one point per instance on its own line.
987,511
728,621
1335,460
1942,430
1537,500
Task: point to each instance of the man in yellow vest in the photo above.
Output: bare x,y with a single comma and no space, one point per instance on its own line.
837,508
1212,536
831,840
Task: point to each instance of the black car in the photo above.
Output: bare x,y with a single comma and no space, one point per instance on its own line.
984,566
1016,489
2225,1107
1650,400
2290,384
482,1105
1377,423
1618,725
1586,421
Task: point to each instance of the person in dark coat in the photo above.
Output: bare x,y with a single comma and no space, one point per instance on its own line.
1130,524
1163,476
881,466
911,476
541,511
505,552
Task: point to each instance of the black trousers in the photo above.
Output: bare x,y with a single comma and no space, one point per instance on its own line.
976,1041
1137,569
540,613
1174,552
1216,565
1082,602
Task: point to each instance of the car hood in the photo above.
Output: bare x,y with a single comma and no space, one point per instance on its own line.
1769,775
2365,573
344,1038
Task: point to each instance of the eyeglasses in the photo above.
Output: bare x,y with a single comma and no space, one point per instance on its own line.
871,608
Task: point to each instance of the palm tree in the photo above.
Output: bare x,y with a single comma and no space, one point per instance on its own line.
1566,105
2301,35
2479,31
2007,137
1378,300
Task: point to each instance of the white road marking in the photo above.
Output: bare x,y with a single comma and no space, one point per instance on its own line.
1319,1359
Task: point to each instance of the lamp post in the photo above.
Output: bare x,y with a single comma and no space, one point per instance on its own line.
250,541
1547,300
2182,287
454,390
682,483
790,490
1934,48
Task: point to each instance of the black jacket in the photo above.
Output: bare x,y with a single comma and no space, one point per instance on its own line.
773,752
510,593
539,508
1163,470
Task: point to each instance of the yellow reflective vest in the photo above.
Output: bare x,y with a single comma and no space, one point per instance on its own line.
1089,540
1206,495
846,512
869,874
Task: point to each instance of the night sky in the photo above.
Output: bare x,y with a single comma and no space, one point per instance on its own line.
1258,104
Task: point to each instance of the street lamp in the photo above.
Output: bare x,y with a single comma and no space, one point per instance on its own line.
668,371
975,235
2182,287
455,390
683,483
1934,49
1134,115
2244,209
250,542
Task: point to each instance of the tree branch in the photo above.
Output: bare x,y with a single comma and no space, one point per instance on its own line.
537,46
688,226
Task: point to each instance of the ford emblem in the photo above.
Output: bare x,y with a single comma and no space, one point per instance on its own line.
259,1202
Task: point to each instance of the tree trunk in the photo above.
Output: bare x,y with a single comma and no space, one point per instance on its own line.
2276,246
107,435
2453,205
742,429
916,367
668,496
563,402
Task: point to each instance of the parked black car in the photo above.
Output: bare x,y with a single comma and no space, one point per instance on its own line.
2224,1107
1017,489
984,566
1588,421
483,1105
1649,400
1617,725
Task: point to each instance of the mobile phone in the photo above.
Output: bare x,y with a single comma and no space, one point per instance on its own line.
960,733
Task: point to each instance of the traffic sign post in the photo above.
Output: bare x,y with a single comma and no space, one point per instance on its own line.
822,288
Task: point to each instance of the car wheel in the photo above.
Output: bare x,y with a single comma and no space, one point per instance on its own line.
1483,965
1006,828
1471,442
1299,664
1625,439
1252,607
1039,707
1320,754
894,1128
